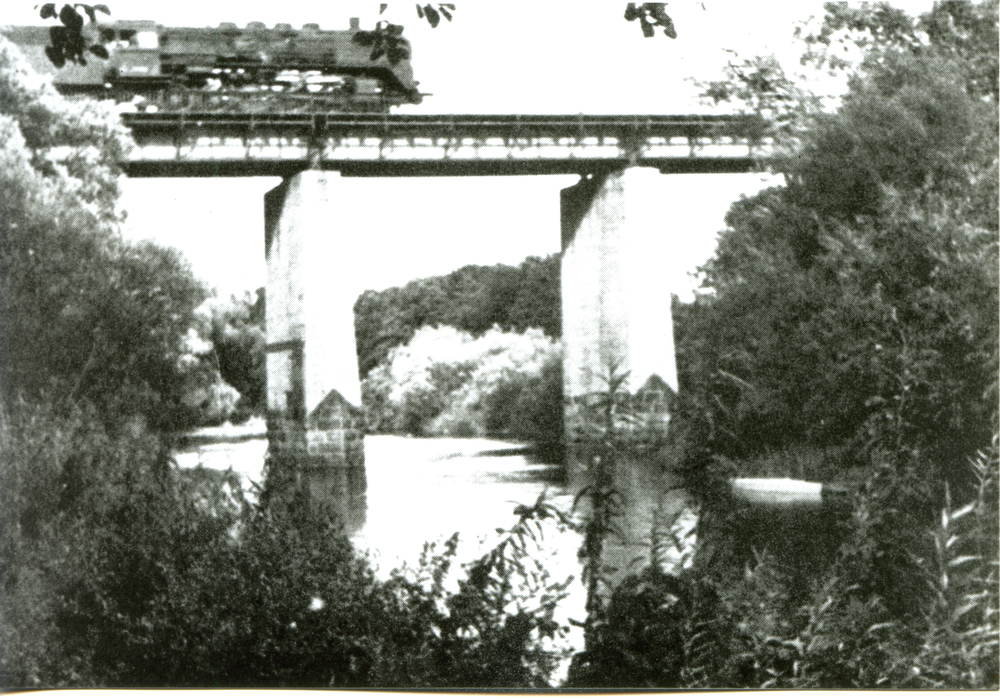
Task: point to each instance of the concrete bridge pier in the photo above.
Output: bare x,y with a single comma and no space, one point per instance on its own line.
617,318
314,421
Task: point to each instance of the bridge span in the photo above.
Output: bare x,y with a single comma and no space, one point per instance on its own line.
616,235
186,144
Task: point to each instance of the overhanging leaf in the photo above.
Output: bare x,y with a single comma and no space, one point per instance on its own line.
99,51
48,10
433,17
668,28
58,36
55,57
71,18
658,11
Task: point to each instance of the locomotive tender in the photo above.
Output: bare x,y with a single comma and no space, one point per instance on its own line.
227,68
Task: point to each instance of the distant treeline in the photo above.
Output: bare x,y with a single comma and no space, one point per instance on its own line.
474,299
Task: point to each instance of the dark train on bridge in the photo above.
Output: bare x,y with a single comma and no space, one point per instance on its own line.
227,68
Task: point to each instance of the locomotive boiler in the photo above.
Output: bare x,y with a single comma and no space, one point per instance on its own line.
228,68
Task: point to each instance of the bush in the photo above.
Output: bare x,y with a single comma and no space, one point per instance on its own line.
83,312
445,382
238,339
473,299
117,569
885,603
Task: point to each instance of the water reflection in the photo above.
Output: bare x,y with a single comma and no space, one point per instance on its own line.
414,490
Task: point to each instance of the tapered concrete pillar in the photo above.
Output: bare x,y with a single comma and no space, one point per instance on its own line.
315,425
616,313
616,297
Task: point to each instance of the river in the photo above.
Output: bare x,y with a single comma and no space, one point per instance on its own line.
419,490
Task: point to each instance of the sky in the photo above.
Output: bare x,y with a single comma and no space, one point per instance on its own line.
495,57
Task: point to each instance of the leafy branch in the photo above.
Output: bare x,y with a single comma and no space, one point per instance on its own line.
433,17
651,15
385,40
68,40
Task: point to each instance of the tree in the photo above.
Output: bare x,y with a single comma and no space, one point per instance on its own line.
84,313
651,15
473,298
856,306
237,333
849,333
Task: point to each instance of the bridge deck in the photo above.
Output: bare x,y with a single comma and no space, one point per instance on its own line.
248,144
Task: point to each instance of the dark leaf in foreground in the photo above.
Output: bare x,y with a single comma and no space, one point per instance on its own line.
433,17
647,28
668,28
58,36
71,18
55,57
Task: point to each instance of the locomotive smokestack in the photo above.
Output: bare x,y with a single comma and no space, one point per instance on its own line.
355,24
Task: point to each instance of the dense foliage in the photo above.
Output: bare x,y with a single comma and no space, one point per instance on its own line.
881,601
446,382
238,338
84,314
854,310
119,570
474,299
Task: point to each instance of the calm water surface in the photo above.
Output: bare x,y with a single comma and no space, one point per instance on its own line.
419,490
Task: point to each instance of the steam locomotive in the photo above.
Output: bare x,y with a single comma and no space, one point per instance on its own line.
229,68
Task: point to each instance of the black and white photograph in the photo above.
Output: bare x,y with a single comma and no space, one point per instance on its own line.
499,346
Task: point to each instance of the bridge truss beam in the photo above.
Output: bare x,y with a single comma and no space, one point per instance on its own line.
246,144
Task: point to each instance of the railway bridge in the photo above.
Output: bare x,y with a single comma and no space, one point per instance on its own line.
614,239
